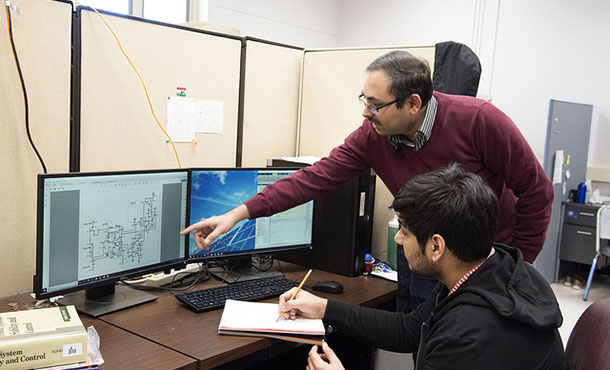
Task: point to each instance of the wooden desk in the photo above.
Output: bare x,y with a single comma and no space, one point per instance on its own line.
121,349
167,322
164,334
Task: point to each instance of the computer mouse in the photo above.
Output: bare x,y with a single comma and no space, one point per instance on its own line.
328,286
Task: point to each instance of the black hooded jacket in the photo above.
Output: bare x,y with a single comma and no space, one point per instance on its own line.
504,317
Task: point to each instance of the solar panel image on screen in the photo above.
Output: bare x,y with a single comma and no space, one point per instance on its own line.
240,238
215,192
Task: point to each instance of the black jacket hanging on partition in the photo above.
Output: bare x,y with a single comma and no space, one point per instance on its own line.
457,69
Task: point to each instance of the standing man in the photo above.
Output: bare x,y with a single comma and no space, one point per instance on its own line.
490,310
409,130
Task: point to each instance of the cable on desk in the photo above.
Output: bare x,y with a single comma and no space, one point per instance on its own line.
257,263
182,286
264,260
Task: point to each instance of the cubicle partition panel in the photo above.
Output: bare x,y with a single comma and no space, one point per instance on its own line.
191,74
330,111
270,100
41,32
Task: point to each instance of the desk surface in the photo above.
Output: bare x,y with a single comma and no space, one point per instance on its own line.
121,349
164,334
167,322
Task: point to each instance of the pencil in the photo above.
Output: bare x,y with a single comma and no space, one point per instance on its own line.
295,293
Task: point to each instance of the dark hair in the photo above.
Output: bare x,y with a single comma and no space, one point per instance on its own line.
451,202
408,75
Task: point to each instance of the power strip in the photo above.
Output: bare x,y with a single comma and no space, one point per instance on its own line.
162,278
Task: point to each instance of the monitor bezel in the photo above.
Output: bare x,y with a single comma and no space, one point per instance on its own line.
161,266
250,252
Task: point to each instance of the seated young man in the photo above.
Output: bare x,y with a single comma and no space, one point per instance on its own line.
490,309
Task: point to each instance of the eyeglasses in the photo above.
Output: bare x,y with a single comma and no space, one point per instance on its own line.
374,108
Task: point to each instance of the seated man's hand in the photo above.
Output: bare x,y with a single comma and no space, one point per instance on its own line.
317,361
304,305
206,231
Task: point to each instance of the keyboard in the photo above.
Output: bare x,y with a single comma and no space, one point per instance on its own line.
250,290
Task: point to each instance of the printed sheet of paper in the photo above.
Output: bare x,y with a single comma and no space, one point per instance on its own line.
261,317
181,119
558,167
209,116
186,116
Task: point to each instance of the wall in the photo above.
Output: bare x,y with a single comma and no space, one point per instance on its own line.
41,33
530,52
310,23
562,62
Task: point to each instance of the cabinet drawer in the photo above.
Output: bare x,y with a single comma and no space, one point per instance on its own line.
579,216
577,243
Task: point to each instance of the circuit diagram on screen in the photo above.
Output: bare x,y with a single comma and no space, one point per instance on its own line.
122,240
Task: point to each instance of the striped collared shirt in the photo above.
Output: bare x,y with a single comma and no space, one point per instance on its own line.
467,275
423,134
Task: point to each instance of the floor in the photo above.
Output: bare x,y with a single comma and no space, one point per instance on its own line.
570,303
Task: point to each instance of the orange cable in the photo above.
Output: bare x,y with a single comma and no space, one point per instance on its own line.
143,85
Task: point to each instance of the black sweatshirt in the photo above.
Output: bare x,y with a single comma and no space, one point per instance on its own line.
505,316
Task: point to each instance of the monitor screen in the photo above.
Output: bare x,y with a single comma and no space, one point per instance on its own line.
217,191
98,228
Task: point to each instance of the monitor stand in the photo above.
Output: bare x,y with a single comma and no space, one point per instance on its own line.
240,269
105,299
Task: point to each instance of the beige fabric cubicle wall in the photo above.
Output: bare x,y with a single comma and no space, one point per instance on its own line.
271,98
118,130
330,111
42,33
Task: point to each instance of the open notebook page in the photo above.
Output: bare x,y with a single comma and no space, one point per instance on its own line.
261,317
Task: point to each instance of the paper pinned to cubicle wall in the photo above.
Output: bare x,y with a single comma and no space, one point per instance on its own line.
181,123
558,167
209,116
186,116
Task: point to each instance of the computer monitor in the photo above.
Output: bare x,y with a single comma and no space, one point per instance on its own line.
216,191
94,229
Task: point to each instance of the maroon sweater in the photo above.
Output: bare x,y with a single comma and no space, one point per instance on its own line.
466,130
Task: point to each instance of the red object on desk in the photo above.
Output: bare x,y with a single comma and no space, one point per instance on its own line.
368,264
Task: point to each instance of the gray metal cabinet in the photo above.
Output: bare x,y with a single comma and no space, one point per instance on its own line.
578,234
568,129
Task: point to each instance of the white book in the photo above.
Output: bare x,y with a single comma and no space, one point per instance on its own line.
260,319
44,337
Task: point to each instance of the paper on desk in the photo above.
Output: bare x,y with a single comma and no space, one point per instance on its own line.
308,159
558,167
261,317
389,275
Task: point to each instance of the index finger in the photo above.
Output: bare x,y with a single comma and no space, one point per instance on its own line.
191,228
287,295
